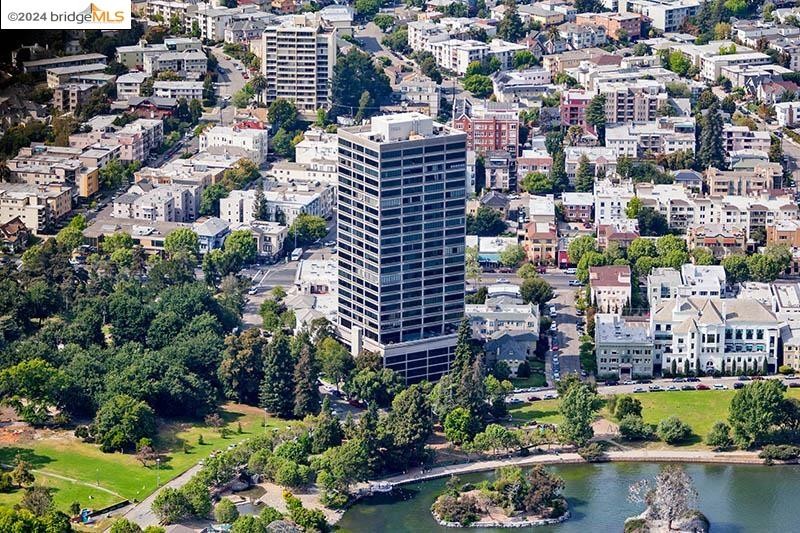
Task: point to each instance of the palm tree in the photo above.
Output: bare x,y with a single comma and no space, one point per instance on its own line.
259,85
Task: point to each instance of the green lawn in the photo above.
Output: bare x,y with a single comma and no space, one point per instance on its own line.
699,409
66,456
535,380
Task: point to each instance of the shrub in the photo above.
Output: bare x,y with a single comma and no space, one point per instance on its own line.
785,370
592,453
226,512
719,437
632,427
672,431
780,452
463,510
627,405
524,370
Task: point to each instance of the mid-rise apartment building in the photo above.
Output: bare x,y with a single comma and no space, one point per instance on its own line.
249,143
665,15
632,101
51,165
623,347
489,126
662,136
610,288
617,25
738,138
39,207
742,182
282,204
71,96
191,64
297,60
401,238
190,90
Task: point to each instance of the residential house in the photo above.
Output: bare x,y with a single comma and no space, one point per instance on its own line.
610,288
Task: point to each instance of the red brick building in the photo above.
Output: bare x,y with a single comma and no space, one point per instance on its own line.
489,127
573,107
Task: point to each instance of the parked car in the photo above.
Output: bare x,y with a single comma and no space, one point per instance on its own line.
687,387
550,396
701,386
655,388
757,378
719,386
502,280
639,389
672,388
743,378
253,290
678,380
575,283
533,398
571,271
738,385
612,383
794,384
693,380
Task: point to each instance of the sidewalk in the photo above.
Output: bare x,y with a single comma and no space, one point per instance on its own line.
676,456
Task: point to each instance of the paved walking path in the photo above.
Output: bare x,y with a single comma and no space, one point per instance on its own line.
678,456
142,512
45,473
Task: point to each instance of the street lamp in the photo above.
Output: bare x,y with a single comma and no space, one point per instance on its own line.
158,471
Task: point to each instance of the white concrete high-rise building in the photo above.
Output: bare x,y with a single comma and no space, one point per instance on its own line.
297,60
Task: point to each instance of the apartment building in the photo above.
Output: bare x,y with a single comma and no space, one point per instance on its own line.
580,36
69,97
611,199
602,160
535,160
391,299
787,114
156,204
691,281
540,241
573,107
501,170
39,207
183,10
742,182
43,65
270,237
51,165
710,335
514,85
577,206
191,64
135,140
665,15
738,138
610,288
509,328
720,239
621,232
133,56
130,85
297,59
190,90
457,54
419,89
489,126
213,20
682,209
617,25
93,72
663,136
623,347
784,232
423,33
282,203
237,142
632,101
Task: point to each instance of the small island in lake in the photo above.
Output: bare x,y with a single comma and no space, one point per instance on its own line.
514,498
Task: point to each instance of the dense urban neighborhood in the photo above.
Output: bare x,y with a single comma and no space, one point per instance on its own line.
260,260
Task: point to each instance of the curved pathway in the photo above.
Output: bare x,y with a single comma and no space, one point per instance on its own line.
45,473
675,456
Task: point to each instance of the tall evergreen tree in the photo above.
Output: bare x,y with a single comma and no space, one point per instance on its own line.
711,152
260,210
368,433
277,387
410,423
463,356
471,392
306,390
327,430
596,116
558,172
510,27
584,178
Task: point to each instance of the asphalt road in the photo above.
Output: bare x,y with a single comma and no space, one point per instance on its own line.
229,81
565,360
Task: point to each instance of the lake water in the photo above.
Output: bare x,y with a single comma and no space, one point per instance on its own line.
735,498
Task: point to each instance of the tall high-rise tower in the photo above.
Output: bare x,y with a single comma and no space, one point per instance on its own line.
401,232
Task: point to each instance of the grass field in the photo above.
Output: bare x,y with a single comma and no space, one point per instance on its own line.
699,409
79,472
535,380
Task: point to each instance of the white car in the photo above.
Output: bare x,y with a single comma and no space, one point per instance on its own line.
719,386
502,280
571,271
